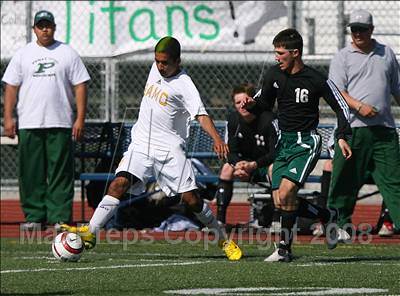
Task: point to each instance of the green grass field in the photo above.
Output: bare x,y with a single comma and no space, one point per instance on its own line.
162,268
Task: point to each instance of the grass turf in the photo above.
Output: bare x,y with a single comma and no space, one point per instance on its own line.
159,267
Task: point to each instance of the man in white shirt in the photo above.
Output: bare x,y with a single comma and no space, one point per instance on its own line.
45,74
170,101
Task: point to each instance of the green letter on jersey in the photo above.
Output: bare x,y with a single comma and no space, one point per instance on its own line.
44,66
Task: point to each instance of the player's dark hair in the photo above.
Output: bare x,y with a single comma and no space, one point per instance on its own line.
246,88
289,39
170,46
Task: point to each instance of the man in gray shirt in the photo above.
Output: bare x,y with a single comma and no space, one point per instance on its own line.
367,74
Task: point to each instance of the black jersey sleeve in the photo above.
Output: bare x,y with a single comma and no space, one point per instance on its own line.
233,127
334,98
265,101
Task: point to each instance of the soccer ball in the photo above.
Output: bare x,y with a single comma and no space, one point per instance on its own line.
67,247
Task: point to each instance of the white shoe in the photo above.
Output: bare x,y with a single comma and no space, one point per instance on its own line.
29,226
279,255
254,224
275,227
318,230
386,229
343,236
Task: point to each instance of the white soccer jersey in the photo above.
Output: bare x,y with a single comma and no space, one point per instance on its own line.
45,76
167,106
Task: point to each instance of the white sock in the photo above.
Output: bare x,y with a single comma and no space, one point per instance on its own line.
207,218
104,211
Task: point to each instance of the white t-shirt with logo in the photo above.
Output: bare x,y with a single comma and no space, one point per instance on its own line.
168,105
46,76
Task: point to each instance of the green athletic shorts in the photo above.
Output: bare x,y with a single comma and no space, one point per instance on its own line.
297,155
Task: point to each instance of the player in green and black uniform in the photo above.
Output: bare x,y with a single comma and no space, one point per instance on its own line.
297,89
251,141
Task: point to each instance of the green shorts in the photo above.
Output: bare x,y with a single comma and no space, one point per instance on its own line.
297,155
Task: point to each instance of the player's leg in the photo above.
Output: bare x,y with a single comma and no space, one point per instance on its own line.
134,170
285,200
326,179
32,176
110,202
305,157
281,189
175,175
204,214
224,191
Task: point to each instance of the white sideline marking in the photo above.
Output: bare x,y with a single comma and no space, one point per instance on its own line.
277,291
105,267
344,263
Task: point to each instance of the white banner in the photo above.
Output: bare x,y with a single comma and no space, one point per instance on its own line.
111,28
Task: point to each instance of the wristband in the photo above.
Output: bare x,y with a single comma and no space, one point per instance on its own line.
359,108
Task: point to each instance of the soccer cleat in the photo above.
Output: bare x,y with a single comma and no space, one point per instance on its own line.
386,229
280,255
343,236
232,250
88,238
318,230
331,229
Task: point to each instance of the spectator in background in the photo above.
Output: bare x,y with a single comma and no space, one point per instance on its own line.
297,89
384,226
251,141
367,73
46,75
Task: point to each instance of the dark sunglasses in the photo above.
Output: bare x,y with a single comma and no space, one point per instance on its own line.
359,29
44,24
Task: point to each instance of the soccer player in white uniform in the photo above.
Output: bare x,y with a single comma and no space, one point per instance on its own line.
169,102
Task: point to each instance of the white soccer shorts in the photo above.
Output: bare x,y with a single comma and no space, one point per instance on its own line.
172,170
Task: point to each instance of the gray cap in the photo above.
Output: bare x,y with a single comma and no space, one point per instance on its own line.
43,15
360,18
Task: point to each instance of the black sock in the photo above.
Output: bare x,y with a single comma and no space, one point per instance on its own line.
288,219
223,196
308,210
325,182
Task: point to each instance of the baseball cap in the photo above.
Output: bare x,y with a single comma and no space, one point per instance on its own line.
360,18
43,15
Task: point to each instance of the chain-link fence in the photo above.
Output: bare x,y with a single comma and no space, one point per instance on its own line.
224,43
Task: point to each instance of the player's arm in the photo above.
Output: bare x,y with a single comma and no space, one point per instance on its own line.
264,100
334,98
208,126
359,107
220,147
10,99
81,102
